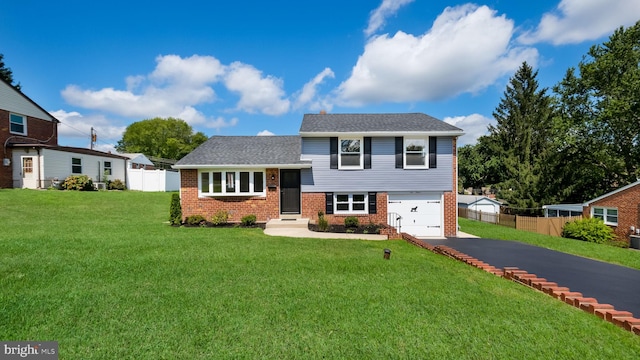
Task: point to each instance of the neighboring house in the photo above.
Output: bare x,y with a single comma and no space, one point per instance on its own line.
620,209
138,161
479,203
31,157
40,166
377,167
562,210
21,121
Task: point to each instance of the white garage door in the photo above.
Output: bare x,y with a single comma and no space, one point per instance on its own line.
420,213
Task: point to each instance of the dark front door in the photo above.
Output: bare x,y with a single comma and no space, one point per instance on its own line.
290,191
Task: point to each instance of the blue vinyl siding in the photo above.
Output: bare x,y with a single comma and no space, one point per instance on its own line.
383,176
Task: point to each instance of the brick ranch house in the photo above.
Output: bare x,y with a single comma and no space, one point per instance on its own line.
396,169
619,209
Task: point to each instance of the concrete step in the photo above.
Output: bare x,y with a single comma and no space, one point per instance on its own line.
288,224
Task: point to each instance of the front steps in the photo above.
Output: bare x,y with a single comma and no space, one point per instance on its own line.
288,223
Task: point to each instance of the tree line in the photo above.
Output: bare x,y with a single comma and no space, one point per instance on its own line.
573,142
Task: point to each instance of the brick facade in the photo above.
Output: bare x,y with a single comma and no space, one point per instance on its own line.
451,199
264,208
314,202
628,204
41,131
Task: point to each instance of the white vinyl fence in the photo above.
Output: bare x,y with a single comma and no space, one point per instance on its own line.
153,180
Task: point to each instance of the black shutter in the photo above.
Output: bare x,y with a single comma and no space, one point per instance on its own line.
328,203
372,203
333,150
367,153
399,153
433,145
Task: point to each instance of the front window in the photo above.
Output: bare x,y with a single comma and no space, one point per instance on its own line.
18,124
350,153
608,215
351,203
76,166
415,153
107,167
227,183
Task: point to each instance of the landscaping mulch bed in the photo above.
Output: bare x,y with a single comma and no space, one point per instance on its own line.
368,229
209,224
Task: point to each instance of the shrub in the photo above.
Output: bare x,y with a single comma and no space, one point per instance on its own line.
220,218
195,220
116,184
78,182
351,222
590,229
323,224
248,220
175,210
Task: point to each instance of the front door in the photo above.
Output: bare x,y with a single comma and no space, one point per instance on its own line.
290,191
28,178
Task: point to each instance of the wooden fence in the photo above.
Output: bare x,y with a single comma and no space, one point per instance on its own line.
540,225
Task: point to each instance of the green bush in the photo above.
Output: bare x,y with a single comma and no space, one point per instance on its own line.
195,220
351,222
175,210
590,229
323,224
116,184
78,182
220,218
248,220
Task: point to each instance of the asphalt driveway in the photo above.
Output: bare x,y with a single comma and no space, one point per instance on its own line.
610,284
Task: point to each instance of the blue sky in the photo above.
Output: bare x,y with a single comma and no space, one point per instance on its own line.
255,67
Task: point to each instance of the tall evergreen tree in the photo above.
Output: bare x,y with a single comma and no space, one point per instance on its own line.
519,143
7,75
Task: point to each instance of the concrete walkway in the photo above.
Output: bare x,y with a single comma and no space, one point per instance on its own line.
300,228
608,283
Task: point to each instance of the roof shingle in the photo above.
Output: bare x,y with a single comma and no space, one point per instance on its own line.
362,123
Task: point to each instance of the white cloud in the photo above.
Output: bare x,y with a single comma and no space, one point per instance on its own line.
257,93
219,122
466,50
381,13
575,21
75,125
265,133
308,93
474,126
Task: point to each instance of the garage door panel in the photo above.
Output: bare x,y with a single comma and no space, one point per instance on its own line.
421,213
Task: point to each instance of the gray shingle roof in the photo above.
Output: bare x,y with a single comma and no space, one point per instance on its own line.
245,150
358,123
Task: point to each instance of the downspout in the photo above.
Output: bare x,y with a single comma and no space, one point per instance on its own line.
39,174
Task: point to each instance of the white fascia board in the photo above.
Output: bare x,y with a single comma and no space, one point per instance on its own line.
382,133
244,166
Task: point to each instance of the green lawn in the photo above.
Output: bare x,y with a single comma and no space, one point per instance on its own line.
102,274
607,253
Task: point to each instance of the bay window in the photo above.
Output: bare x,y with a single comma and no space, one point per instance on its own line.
231,183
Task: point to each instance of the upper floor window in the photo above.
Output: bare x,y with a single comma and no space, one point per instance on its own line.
76,166
226,183
18,124
415,153
608,215
350,153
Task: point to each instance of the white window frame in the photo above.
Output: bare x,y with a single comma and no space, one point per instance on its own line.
361,153
350,201
425,152
234,174
73,165
108,170
24,124
605,214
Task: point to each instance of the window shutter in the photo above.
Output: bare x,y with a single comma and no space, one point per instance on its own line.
399,153
328,203
372,203
333,150
433,145
367,153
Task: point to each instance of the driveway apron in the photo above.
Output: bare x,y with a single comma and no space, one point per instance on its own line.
608,283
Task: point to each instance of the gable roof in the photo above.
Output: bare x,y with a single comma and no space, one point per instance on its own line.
15,101
612,193
379,124
245,151
472,199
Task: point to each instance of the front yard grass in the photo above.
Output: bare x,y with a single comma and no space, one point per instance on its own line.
625,257
102,274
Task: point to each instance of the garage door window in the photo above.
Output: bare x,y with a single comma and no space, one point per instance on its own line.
350,203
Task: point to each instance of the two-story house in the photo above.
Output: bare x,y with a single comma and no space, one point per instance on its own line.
31,156
398,169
